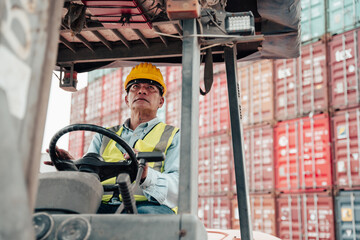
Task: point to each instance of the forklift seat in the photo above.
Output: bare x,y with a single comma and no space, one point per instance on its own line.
68,192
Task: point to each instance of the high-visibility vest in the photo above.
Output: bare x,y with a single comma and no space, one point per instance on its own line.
157,139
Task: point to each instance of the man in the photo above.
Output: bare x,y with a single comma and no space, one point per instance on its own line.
158,191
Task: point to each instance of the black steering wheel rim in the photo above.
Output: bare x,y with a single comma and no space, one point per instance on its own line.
86,127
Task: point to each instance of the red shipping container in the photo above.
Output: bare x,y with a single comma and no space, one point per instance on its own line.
313,93
257,98
220,105
302,154
205,113
78,105
346,142
214,165
214,116
305,216
124,109
88,136
215,211
111,92
286,89
345,65
262,211
219,68
259,157
173,108
173,78
301,84
76,144
110,120
94,99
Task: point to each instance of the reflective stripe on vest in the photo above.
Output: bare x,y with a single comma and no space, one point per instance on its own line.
157,139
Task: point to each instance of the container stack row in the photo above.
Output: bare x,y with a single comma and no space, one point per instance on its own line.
301,127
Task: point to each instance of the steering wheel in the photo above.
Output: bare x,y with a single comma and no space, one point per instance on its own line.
93,162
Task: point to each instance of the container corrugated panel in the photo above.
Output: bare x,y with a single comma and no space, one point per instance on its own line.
220,105
301,84
173,78
347,211
76,144
219,68
93,102
99,73
256,86
214,116
214,165
215,212
302,154
173,108
286,88
343,15
346,148
313,91
111,92
312,20
345,73
88,136
78,105
111,119
124,109
205,112
259,157
262,210
305,216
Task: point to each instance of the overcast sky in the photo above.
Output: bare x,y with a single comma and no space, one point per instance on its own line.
58,113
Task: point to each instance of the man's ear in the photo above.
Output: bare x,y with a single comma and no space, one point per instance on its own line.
162,100
126,100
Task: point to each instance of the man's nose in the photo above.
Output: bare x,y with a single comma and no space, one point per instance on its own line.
142,89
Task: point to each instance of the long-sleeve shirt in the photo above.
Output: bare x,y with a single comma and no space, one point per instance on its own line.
162,187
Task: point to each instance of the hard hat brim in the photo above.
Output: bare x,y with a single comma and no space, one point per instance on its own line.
144,80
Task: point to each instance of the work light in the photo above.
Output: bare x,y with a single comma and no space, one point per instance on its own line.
240,23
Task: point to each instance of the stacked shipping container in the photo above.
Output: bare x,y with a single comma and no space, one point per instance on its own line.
345,102
301,122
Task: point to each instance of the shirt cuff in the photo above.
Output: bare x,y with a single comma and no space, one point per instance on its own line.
150,179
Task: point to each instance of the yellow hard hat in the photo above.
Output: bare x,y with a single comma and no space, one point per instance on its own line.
146,72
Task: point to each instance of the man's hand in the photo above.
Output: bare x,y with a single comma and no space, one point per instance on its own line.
60,154
143,176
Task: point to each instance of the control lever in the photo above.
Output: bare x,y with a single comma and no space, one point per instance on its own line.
128,201
123,181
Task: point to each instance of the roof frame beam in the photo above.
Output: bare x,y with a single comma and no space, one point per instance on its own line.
142,38
163,38
102,39
121,37
85,42
68,44
120,52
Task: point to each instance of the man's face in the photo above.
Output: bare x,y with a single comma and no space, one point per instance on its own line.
144,96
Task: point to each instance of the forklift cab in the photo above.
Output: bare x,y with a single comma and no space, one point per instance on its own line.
79,36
